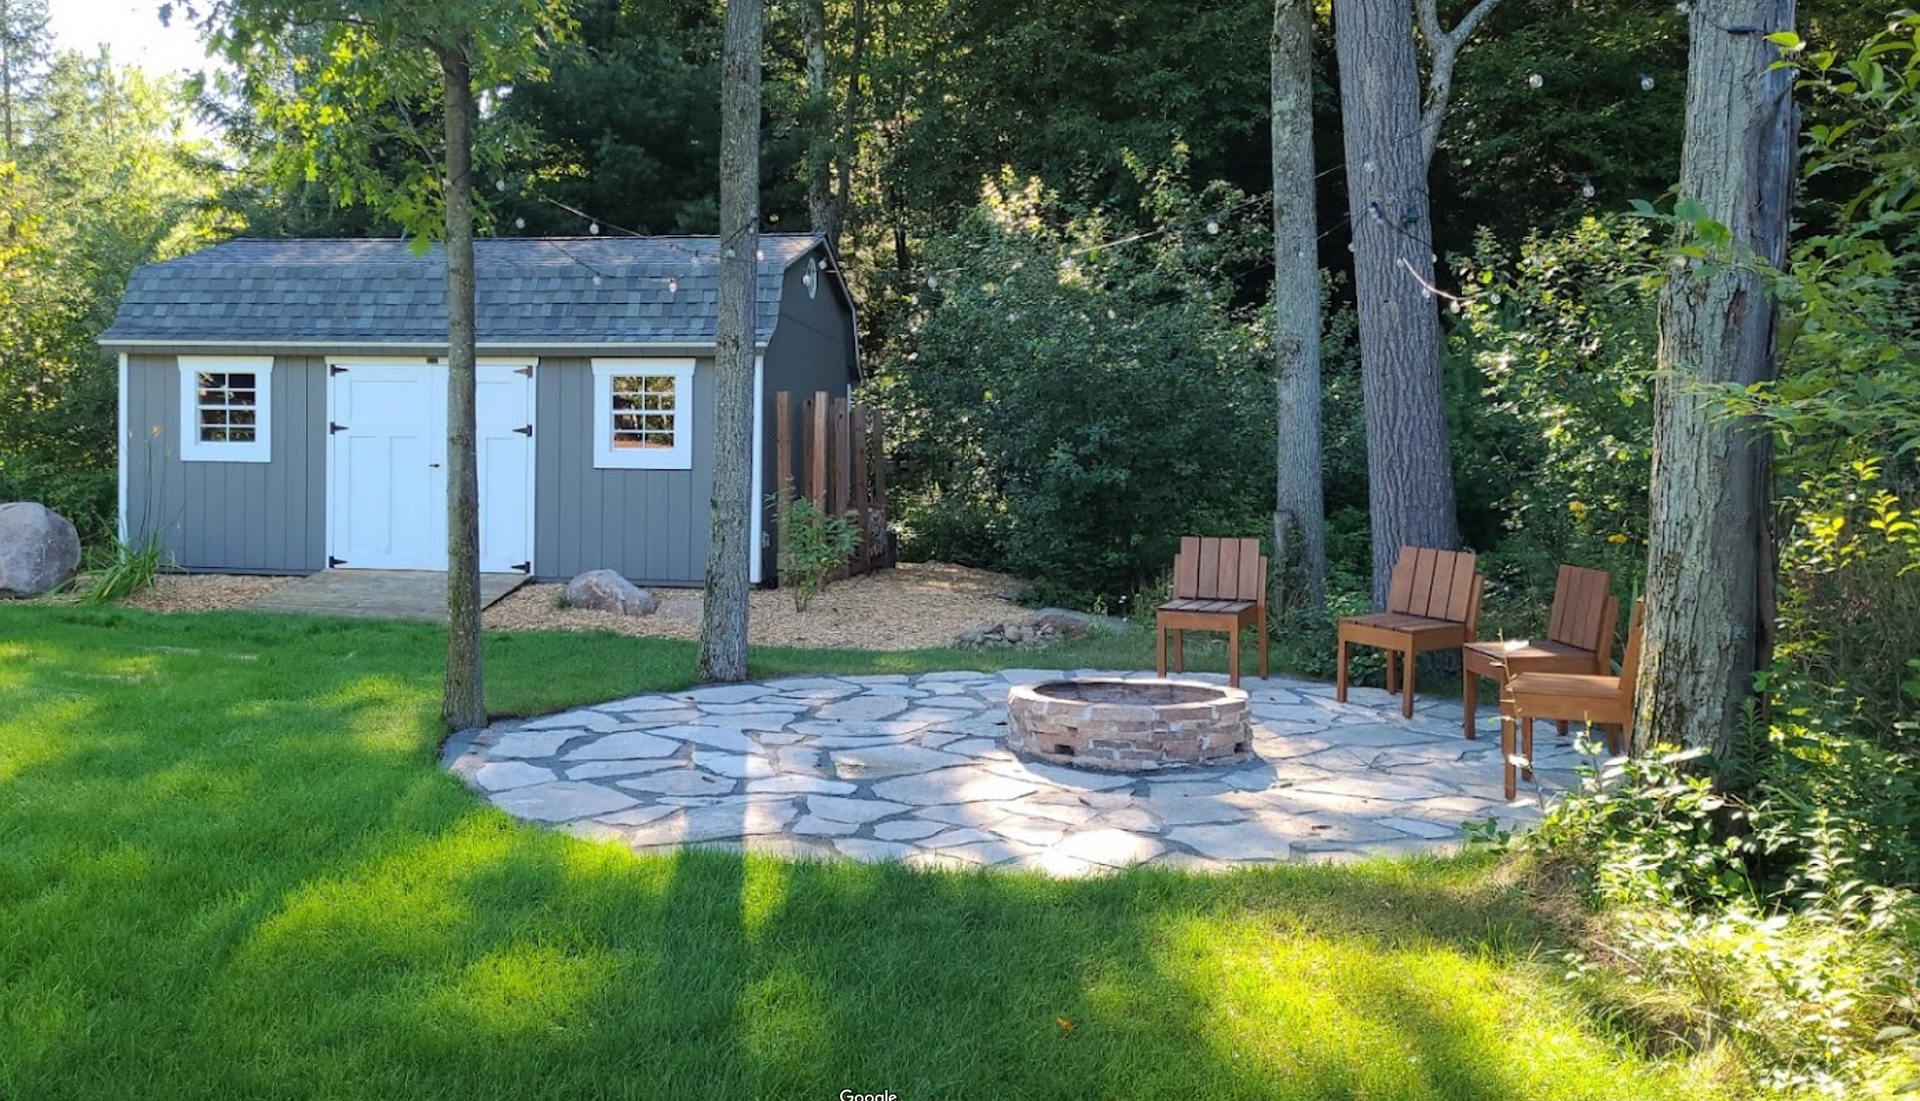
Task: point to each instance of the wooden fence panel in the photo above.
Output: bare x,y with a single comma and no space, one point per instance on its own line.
842,469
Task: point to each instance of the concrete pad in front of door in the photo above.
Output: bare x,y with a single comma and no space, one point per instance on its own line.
379,594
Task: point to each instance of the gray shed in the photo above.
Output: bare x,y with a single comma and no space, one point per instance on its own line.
283,403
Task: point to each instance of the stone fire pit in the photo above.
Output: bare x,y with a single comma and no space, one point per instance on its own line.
1128,725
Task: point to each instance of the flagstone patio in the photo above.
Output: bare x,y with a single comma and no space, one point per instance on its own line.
915,769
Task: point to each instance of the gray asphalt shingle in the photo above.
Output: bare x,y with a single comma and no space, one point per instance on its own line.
529,290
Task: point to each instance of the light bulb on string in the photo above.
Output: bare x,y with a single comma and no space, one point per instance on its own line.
1646,82
1586,189
519,223
593,228
500,185
596,280
673,285
1213,227
1535,80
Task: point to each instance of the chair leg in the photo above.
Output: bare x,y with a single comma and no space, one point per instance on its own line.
1340,673
1406,687
1526,747
1160,649
1562,725
1470,701
1393,670
1262,628
1506,750
1233,656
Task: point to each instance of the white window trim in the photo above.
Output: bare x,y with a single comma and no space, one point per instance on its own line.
677,457
195,450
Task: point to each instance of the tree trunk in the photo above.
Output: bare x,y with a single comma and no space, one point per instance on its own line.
1709,559
1409,470
463,706
723,634
1299,515
822,204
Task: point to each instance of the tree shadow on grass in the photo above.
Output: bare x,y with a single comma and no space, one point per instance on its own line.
245,878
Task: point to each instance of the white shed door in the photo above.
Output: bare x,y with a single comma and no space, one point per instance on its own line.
387,477
504,446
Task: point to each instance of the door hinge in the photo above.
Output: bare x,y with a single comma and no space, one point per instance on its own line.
523,567
335,563
333,428
524,372
525,430
335,369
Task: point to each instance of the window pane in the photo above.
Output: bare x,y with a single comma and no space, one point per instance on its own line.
240,435
213,435
240,417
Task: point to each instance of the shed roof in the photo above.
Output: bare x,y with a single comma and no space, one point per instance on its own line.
531,291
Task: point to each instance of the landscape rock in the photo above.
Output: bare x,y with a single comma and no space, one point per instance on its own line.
39,550
607,591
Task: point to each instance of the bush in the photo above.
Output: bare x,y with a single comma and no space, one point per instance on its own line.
812,546
1065,408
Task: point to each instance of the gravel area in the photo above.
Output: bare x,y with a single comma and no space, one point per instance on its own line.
912,606
203,592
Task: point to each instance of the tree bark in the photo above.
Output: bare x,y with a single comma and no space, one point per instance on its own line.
723,635
1299,515
1709,560
822,203
1409,468
1443,49
463,705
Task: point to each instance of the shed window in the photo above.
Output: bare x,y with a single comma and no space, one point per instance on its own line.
225,407
643,411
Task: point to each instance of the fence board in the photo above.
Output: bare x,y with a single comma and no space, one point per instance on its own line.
860,418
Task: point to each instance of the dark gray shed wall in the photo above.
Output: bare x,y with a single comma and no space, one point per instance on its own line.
251,517
648,525
812,349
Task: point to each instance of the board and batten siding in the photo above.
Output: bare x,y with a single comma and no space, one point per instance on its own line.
235,517
649,526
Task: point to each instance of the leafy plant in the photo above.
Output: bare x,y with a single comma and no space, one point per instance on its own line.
120,569
812,545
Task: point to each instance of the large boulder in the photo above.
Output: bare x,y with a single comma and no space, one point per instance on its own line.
606,591
39,550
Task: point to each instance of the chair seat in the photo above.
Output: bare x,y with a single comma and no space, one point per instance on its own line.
1401,623
1565,684
1207,607
1523,650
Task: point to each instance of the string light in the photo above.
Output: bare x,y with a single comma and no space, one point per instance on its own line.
1586,189
519,223
593,228
500,185
1535,80
1213,228
1646,82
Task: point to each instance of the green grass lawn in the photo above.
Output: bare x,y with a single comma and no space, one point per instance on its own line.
229,868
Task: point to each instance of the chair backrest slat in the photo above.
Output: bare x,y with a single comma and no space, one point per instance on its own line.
1630,662
1459,591
1400,587
1562,603
1253,572
1186,569
1219,569
1227,583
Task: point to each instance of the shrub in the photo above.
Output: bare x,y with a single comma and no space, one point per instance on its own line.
813,544
1066,408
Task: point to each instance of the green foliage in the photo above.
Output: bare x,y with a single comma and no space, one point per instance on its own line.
99,182
121,569
1078,403
1562,339
813,544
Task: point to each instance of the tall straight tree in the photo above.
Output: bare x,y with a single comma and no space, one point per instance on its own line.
830,143
377,67
1710,547
26,45
1299,514
723,621
1390,137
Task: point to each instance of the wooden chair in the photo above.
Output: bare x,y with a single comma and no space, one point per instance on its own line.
1596,699
1218,585
1579,638
1433,603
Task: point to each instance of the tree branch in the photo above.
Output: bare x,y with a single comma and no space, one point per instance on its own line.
1443,48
